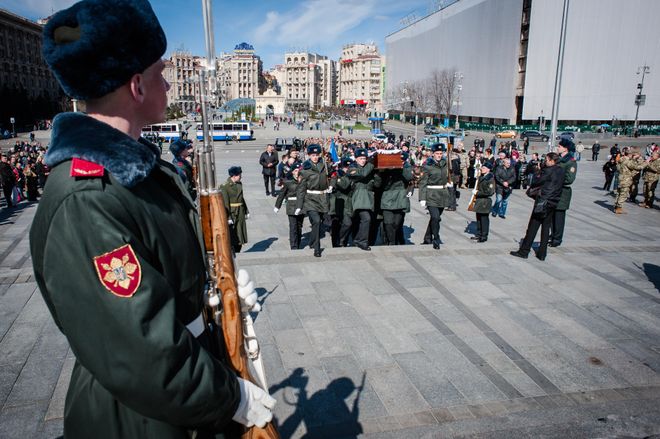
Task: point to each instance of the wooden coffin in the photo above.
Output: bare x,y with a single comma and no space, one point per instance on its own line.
388,161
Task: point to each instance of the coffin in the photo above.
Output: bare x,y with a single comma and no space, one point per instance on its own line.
388,159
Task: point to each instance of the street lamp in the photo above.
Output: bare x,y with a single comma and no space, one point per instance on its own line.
459,77
640,99
558,75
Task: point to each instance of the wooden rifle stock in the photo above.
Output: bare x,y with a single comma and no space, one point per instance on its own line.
217,239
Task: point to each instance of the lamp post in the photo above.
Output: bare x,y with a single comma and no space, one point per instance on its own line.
640,99
558,74
459,77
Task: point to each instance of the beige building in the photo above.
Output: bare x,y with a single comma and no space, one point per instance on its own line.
240,73
328,83
278,73
303,80
360,74
182,72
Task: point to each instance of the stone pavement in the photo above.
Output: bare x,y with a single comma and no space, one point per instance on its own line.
407,342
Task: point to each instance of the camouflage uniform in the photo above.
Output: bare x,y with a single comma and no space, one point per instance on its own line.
465,162
651,176
628,168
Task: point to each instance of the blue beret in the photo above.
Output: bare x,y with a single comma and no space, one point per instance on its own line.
314,149
95,46
361,152
235,170
179,145
438,147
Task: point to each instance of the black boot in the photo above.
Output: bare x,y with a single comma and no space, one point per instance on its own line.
518,254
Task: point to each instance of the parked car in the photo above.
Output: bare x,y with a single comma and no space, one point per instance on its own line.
379,138
283,143
507,134
570,135
534,135
430,129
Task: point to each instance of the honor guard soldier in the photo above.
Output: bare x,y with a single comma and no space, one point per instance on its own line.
365,180
565,149
434,193
181,150
289,194
395,201
342,204
116,244
484,190
651,175
312,194
237,210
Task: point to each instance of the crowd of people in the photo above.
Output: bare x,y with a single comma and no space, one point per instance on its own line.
23,172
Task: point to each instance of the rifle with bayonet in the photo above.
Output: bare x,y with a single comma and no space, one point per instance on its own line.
237,339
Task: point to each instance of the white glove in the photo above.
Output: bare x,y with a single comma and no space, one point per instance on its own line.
423,203
247,216
450,184
246,292
230,221
255,407
297,212
409,194
328,190
275,209
474,191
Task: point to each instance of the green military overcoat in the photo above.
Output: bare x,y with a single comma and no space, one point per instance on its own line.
237,210
341,203
117,254
365,180
435,175
485,190
288,195
569,165
311,190
395,188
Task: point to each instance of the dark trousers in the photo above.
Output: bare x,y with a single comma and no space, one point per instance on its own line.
295,230
535,221
7,189
594,156
271,179
608,181
315,219
483,225
432,234
361,238
341,230
558,221
393,225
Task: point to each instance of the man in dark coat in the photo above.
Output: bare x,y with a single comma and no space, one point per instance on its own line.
551,182
116,244
483,190
312,196
595,150
567,162
505,177
268,160
7,178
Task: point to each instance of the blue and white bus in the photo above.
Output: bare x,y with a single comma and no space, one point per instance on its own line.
169,131
227,131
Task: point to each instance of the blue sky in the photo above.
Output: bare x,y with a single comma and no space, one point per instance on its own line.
272,27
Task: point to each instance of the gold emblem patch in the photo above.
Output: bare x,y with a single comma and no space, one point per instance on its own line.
572,168
119,271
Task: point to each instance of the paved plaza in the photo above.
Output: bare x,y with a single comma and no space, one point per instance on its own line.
407,341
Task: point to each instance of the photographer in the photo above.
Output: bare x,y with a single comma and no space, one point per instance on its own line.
546,191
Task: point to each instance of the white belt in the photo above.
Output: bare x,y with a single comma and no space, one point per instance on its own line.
315,192
435,187
196,327
292,198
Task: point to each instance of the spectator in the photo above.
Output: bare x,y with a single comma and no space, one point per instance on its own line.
8,179
269,161
505,176
595,149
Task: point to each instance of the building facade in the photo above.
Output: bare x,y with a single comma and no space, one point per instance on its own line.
241,73
328,83
507,50
24,75
360,72
303,80
182,71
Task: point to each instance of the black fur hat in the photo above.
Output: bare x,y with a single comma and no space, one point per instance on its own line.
95,46
234,171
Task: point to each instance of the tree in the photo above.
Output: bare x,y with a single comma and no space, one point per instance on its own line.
442,86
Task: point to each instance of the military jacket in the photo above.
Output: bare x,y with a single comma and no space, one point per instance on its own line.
628,168
341,203
365,180
117,254
569,165
185,170
652,171
288,195
395,188
433,185
237,210
485,189
311,190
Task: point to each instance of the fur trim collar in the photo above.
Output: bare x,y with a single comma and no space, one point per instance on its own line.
76,135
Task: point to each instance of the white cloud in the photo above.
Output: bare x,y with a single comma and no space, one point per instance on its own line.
314,22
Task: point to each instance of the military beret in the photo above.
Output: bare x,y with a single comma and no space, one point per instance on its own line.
235,170
438,147
567,143
95,46
488,165
346,161
178,146
314,149
361,152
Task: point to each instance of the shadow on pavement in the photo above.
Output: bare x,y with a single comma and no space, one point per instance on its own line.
261,245
652,272
325,414
7,213
605,205
262,295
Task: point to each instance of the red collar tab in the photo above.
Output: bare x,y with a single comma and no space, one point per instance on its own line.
83,168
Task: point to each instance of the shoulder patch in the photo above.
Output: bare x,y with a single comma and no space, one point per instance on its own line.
572,169
491,185
83,168
119,271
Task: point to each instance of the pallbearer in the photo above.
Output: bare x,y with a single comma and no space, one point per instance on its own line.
342,209
433,191
484,190
365,181
395,201
289,194
312,194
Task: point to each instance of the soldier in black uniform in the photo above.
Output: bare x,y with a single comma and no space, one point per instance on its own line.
116,244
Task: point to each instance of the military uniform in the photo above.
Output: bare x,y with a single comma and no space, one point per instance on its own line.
395,202
433,189
651,176
117,253
237,212
185,170
289,194
485,188
341,207
627,168
569,165
365,180
312,198
465,162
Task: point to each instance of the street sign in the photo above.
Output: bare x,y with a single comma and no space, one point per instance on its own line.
640,100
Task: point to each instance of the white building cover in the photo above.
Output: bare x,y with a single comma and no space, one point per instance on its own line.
606,41
479,38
